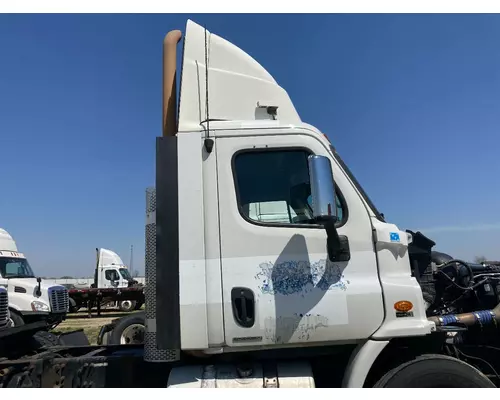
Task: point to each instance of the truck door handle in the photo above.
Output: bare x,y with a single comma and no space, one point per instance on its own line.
243,303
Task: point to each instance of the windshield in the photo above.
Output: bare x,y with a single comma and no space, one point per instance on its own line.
125,274
15,268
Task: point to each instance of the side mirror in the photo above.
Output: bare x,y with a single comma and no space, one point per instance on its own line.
39,287
325,208
322,189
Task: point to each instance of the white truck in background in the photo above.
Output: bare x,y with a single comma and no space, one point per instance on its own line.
111,271
26,338
112,285
30,299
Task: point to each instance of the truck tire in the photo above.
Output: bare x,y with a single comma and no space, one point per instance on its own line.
127,305
16,319
129,330
434,371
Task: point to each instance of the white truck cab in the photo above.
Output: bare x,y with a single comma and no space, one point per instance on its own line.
239,255
30,299
111,271
267,260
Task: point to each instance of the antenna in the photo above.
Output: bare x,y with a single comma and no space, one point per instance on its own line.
131,262
206,83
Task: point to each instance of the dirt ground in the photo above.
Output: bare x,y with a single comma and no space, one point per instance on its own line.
91,326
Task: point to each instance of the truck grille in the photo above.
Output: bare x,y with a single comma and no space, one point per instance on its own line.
59,299
4,308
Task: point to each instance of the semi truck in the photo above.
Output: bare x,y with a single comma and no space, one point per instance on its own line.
332,296
30,298
32,335
112,285
111,270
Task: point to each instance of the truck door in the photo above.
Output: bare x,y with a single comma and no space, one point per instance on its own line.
111,278
278,285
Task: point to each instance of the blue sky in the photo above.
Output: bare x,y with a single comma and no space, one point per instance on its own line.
410,101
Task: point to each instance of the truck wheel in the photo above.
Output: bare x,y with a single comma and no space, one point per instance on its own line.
129,330
15,319
127,305
434,371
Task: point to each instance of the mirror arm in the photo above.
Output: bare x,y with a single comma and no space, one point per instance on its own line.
337,245
333,240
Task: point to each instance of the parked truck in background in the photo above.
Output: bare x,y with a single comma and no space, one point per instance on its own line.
113,273
111,270
112,284
333,295
30,298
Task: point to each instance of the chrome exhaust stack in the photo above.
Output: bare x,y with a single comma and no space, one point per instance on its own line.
169,118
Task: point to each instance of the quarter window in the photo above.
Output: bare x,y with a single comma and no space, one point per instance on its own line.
273,187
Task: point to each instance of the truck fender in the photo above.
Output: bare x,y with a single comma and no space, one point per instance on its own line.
361,361
14,307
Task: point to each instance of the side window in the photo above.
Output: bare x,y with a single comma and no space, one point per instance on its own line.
273,186
111,275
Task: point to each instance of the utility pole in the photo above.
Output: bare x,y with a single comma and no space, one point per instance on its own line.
131,262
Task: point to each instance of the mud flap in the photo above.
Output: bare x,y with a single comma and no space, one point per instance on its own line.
74,338
103,336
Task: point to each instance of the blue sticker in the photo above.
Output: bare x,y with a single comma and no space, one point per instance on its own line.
394,237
